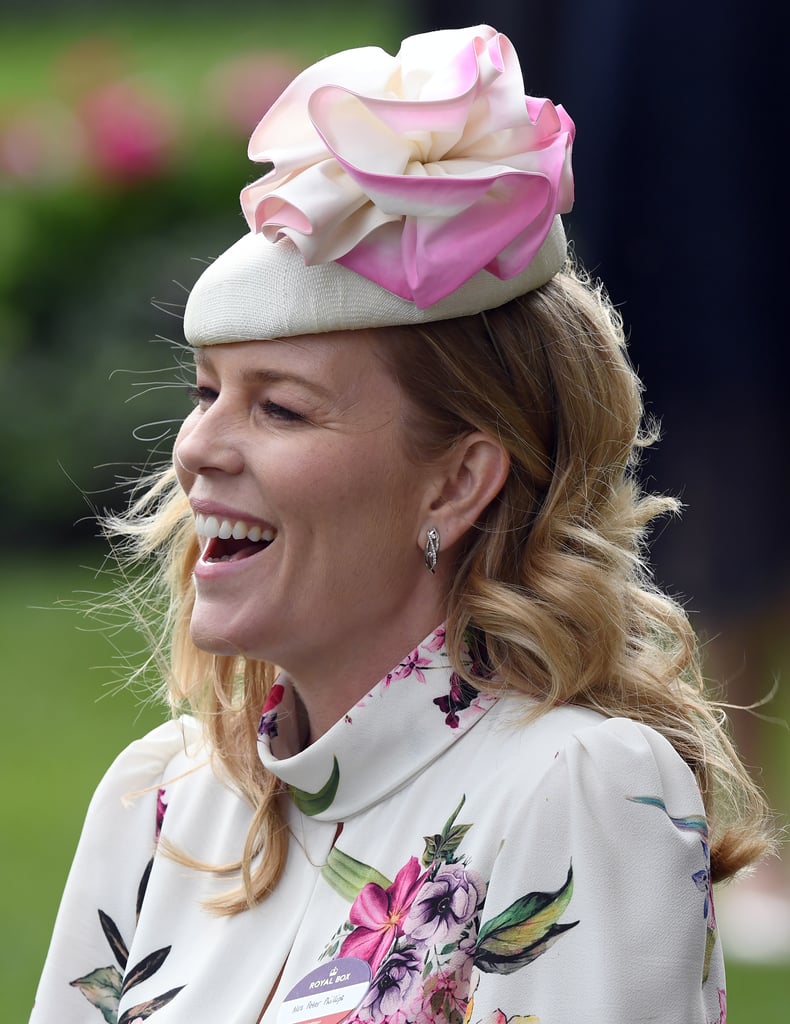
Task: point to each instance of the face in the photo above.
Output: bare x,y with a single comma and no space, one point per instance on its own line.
309,513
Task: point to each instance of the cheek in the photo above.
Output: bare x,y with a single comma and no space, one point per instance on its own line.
369,492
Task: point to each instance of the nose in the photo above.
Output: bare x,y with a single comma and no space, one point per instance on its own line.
206,444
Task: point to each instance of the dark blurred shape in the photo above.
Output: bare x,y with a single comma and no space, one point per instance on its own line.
679,209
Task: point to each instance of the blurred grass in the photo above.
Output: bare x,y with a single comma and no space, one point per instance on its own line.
65,720
175,47
62,729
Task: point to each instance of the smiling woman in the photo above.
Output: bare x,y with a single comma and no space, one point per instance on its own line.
303,442
432,718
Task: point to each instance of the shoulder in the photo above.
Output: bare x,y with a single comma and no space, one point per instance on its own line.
572,763
629,758
586,744
171,749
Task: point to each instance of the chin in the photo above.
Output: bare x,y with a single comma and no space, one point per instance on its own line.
210,642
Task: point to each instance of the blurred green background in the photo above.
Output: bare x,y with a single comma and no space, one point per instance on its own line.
122,147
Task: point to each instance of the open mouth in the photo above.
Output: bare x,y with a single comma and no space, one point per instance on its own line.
231,540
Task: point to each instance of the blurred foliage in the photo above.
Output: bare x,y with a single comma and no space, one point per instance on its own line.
122,151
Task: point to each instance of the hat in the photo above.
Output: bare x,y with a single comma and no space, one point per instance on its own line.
402,190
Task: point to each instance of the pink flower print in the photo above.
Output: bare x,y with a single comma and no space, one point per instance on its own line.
444,996
394,986
435,642
274,699
722,1018
412,665
161,807
378,914
444,905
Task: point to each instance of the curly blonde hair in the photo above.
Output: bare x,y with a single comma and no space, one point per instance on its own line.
552,583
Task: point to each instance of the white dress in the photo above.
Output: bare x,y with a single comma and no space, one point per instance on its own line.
455,864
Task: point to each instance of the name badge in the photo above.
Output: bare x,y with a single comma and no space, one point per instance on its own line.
328,994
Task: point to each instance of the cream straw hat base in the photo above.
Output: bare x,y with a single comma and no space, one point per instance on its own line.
261,290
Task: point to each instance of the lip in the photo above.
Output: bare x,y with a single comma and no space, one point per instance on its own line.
213,508
224,569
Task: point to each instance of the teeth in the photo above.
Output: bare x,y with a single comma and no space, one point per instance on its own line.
211,526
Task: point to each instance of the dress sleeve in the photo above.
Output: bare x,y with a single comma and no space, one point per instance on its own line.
600,906
98,912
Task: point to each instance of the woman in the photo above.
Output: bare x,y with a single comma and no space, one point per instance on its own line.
486,784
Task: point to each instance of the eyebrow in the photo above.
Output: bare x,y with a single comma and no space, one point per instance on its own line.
251,375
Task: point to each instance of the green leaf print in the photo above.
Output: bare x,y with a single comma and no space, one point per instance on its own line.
523,931
102,989
315,803
348,876
441,848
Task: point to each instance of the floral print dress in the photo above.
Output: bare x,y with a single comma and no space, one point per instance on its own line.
471,865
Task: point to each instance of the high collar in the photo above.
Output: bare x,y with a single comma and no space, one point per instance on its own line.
406,721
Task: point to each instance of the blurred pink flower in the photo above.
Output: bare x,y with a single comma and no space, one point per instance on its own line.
130,132
241,90
41,145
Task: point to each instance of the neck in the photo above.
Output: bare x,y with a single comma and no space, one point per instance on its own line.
331,690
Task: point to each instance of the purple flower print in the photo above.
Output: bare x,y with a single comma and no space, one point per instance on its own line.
161,807
462,959
703,881
394,986
268,723
458,699
444,904
378,914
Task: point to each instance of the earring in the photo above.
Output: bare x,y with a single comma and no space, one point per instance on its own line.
432,550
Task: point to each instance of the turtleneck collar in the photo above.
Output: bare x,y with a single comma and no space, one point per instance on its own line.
406,721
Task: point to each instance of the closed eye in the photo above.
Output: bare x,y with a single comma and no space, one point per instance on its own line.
201,396
279,412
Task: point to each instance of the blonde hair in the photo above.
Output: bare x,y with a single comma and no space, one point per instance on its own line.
552,584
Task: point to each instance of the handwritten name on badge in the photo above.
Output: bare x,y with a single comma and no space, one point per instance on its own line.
328,994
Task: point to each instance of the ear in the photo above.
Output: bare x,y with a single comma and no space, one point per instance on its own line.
473,475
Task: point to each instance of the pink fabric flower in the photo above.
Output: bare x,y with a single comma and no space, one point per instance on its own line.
416,171
378,914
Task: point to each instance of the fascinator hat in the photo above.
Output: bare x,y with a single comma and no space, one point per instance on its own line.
401,190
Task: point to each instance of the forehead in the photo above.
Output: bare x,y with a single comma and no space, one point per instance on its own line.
333,364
